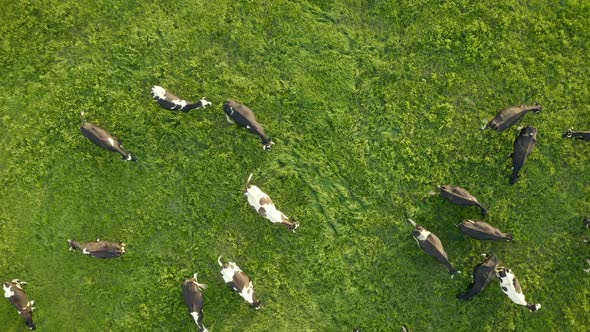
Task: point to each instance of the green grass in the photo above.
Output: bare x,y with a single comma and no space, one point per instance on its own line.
371,105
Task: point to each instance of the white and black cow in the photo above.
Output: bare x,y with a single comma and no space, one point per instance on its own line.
14,292
583,135
263,204
244,117
511,287
460,196
99,248
192,292
483,274
104,139
431,244
173,103
509,116
481,230
239,281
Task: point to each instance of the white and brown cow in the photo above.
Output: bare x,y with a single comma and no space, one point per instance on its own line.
239,281
99,248
13,291
511,287
263,204
192,292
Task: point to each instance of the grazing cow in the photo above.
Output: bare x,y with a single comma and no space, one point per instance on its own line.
239,281
511,287
431,244
13,291
483,274
583,135
509,116
104,139
523,146
481,230
461,196
192,292
173,103
99,249
244,117
262,203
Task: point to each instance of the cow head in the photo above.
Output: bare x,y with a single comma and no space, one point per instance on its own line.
568,134
587,222
205,102
129,157
256,304
268,146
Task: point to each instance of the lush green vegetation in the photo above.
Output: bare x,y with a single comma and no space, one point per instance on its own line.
371,103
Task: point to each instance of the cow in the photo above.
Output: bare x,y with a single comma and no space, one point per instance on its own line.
481,230
99,249
14,292
587,222
239,281
583,135
523,146
509,116
461,196
170,102
192,292
244,117
431,244
587,262
104,139
511,287
264,205
483,274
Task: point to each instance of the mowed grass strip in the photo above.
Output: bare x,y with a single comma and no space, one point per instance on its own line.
371,104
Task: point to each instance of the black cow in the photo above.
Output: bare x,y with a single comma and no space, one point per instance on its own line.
511,287
509,116
583,135
239,281
461,196
523,146
173,103
483,274
481,230
431,244
99,249
104,139
244,117
192,292
13,291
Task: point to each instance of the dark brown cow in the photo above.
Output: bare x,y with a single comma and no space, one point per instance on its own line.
99,249
481,230
431,244
483,274
104,139
461,196
244,117
523,146
192,292
13,291
509,116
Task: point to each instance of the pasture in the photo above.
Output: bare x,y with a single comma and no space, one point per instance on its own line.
372,104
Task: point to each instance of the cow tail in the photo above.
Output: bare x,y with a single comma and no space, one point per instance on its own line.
219,260
248,181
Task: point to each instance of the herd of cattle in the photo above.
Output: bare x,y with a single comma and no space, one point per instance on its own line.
236,279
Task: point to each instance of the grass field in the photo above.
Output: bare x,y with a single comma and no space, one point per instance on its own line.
372,104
